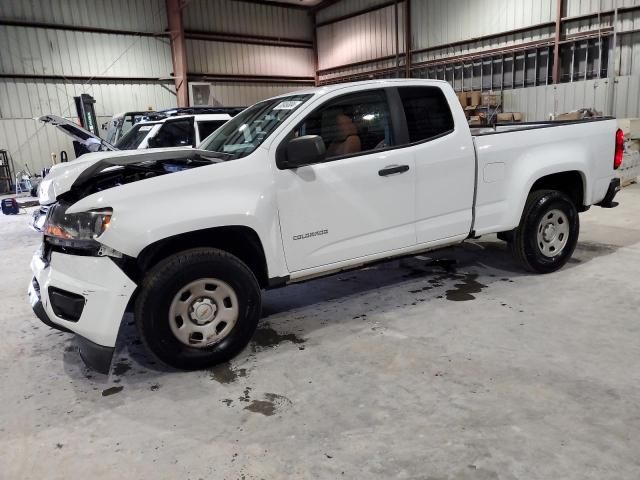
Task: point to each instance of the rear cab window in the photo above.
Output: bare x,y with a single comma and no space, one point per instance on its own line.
427,111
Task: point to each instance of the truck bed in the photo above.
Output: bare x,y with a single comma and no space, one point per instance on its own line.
511,156
519,126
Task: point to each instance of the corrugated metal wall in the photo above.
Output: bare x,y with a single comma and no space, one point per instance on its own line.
438,23
363,38
268,23
30,51
456,25
138,15
138,50
247,93
249,19
23,100
206,56
537,103
360,38
580,7
345,7
36,51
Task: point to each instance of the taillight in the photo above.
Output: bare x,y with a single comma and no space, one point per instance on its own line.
617,158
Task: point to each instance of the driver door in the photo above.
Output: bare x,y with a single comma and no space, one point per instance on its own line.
360,201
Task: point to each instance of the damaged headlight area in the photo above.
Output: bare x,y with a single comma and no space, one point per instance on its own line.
76,230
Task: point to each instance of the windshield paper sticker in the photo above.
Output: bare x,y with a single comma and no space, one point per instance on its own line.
287,105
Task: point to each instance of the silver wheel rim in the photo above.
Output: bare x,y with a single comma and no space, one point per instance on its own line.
203,312
553,233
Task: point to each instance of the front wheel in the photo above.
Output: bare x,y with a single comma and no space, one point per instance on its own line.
198,308
548,232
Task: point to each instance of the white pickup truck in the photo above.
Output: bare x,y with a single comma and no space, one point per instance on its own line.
295,187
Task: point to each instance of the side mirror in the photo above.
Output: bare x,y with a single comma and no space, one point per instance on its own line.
304,150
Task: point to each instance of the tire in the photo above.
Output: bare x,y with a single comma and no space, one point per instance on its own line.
548,232
198,308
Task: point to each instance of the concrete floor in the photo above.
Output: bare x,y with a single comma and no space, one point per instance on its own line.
400,371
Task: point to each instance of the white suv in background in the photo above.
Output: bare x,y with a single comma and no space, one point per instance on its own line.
174,131
180,131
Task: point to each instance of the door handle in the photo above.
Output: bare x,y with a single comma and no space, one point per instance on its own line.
393,169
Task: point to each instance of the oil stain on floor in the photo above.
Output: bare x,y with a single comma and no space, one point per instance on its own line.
111,391
225,373
464,290
266,337
270,405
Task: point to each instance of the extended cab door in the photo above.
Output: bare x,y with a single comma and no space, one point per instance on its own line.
440,143
361,200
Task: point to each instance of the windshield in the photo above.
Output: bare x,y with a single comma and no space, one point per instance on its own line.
241,135
134,137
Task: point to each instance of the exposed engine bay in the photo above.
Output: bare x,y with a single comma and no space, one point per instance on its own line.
121,170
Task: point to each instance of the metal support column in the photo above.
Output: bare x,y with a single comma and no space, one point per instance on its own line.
407,38
315,51
395,7
178,50
556,44
612,66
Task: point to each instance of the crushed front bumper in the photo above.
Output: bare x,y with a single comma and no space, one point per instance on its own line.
57,285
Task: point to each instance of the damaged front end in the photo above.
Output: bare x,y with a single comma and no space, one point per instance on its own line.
80,284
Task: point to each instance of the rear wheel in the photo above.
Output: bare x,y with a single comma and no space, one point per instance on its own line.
548,232
198,308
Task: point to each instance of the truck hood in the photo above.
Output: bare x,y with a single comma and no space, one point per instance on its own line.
98,171
78,134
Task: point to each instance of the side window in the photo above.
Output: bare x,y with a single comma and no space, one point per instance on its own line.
427,111
351,124
174,133
207,127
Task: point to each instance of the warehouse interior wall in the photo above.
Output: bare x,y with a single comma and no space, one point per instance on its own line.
113,50
248,51
119,52
501,45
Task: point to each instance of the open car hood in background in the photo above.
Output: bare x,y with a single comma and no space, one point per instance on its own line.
77,133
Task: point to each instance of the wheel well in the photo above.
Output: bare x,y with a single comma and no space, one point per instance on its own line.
569,183
241,241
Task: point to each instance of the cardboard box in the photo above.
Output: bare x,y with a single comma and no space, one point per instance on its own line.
505,117
517,116
475,121
462,97
630,127
476,98
569,116
489,99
